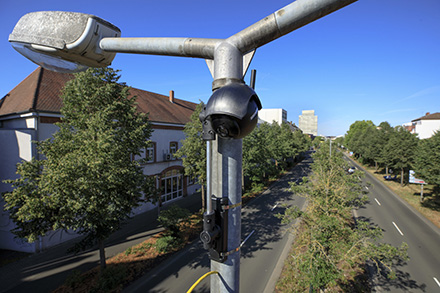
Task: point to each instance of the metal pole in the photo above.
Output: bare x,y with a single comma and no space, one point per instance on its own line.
226,182
209,209
226,165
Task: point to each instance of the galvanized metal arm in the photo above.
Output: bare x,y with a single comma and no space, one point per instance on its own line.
272,27
182,47
284,21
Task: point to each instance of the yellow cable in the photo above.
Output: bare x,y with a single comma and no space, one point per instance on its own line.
200,279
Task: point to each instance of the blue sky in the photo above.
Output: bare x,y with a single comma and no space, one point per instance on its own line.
374,60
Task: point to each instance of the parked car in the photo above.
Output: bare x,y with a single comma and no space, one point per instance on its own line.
351,170
389,177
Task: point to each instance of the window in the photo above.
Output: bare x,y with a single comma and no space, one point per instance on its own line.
191,180
173,147
148,155
151,152
172,185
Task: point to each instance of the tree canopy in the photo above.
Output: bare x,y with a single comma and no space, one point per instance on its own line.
88,181
330,248
193,150
427,161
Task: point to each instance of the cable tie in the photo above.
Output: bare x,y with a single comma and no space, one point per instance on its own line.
228,207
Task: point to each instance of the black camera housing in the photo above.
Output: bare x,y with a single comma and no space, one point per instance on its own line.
232,111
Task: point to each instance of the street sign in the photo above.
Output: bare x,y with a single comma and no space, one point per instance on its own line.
413,179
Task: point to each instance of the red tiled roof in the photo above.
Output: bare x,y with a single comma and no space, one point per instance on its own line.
428,116
40,92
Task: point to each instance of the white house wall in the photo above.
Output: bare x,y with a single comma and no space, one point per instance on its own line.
16,136
15,146
426,128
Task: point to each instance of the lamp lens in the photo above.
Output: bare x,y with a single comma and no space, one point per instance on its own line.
53,63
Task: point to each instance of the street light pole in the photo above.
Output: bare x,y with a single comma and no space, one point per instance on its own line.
226,174
84,39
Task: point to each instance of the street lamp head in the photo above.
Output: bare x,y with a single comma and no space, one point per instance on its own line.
63,41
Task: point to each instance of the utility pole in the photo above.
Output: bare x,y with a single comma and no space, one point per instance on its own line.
231,113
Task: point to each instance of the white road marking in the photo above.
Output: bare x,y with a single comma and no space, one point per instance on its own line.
377,201
367,187
438,283
274,207
397,228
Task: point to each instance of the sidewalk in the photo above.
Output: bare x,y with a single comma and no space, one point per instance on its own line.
46,271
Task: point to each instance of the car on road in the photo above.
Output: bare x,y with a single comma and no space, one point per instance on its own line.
351,170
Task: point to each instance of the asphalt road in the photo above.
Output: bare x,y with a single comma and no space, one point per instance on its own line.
401,223
261,256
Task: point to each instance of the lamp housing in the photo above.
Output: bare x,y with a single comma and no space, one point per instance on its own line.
63,41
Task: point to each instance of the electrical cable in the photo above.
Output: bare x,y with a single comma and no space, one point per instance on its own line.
199,280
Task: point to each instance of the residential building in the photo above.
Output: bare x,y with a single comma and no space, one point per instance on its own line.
426,126
28,113
308,122
271,115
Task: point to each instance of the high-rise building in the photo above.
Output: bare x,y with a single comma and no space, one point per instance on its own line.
308,122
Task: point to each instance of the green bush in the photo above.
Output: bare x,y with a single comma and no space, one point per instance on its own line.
171,218
167,243
112,277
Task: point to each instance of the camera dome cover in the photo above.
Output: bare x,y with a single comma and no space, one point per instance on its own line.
233,110
232,99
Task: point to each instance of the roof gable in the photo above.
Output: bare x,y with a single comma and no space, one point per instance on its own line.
428,116
41,91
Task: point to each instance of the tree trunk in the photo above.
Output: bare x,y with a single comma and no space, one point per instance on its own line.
203,197
401,177
386,170
102,254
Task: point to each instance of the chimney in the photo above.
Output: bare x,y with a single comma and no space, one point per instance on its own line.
427,113
171,98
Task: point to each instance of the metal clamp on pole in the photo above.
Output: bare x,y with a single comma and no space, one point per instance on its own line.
215,229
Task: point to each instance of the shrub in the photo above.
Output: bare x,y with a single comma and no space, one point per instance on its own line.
171,218
167,243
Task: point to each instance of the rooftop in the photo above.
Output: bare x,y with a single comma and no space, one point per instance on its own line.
429,116
41,91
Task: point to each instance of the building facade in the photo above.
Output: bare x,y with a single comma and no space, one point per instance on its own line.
271,115
28,113
308,122
426,126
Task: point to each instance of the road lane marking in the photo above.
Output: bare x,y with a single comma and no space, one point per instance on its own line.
397,228
274,207
438,283
367,187
377,201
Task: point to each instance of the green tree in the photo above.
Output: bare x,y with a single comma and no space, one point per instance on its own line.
353,134
427,161
330,248
303,141
88,182
385,132
257,153
369,145
400,149
193,151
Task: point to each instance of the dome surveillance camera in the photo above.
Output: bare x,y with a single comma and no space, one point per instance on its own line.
233,110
